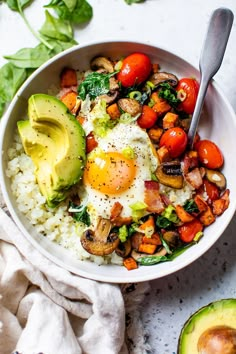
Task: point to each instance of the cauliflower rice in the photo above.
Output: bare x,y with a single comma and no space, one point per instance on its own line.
56,224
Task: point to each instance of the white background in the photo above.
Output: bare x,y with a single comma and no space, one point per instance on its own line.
179,26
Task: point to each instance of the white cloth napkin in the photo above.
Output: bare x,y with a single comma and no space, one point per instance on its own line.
46,309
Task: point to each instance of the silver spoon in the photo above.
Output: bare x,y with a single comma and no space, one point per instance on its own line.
210,60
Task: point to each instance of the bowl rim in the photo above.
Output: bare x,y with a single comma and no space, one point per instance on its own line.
99,277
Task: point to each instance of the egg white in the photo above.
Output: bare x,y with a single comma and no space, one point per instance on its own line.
120,137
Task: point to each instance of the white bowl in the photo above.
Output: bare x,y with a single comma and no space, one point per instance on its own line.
219,125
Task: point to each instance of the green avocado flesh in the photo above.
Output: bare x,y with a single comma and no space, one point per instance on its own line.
219,313
55,141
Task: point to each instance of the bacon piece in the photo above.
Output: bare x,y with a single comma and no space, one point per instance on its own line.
152,197
120,220
194,178
190,161
115,217
116,210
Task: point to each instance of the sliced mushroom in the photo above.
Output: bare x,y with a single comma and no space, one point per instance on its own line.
109,98
160,77
216,177
113,93
136,255
100,242
123,249
136,240
171,237
130,105
169,174
102,63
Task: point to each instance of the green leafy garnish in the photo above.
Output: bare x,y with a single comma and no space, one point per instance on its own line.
169,94
95,84
130,2
123,233
56,28
151,260
75,11
163,223
11,78
170,214
190,206
79,213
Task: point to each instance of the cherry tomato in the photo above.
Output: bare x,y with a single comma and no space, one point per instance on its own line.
209,154
135,69
189,87
211,190
188,231
175,139
148,117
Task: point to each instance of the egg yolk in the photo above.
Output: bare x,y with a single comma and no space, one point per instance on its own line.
109,173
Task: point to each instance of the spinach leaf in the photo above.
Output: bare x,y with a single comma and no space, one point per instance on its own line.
56,28
59,46
169,94
17,5
82,11
30,57
11,78
79,213
163,223
151,260
95,84
70,4
190,206
130,2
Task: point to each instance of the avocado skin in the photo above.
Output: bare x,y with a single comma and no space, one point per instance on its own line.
55,141
222,312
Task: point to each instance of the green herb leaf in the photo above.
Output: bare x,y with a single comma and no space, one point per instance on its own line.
56,28
165,245
190,206
30,57
151,260
79,213
81,13
169,94
130,2
59,46
17,5
95,84
11,78
163,223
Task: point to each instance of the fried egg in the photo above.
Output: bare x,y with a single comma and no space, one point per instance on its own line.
116,170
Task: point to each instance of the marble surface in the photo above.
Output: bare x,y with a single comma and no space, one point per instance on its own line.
178,25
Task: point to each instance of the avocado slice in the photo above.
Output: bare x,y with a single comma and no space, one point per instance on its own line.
55,141
211,327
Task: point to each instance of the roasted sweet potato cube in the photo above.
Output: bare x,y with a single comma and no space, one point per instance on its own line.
170,120
68,77
155,133
207,217
163,154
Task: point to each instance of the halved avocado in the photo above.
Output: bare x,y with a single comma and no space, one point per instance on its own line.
210,330
55,141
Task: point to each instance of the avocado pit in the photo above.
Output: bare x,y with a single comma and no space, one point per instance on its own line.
217,340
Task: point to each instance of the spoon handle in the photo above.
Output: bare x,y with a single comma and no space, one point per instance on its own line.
211,58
